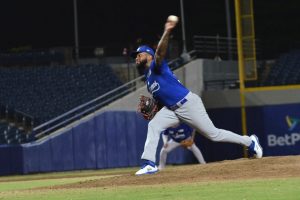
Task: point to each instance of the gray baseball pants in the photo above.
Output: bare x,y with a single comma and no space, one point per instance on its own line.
194,114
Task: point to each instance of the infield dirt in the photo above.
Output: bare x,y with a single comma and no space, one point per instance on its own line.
268,167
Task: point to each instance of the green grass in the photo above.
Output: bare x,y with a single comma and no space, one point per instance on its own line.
270,189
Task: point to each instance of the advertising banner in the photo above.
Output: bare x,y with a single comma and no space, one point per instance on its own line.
282,130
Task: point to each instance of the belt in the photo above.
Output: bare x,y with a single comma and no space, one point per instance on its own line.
178,104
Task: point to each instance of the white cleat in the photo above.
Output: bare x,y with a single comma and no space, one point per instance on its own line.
255,149
147,168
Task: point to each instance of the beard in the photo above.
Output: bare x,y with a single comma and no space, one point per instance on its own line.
141,67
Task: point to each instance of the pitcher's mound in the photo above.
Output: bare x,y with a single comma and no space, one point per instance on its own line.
268,167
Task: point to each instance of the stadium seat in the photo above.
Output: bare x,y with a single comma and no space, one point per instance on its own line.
286,70
45,92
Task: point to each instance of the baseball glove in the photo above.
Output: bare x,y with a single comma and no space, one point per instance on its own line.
187,143
148,107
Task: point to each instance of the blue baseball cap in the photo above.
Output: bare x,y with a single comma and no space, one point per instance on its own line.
141,49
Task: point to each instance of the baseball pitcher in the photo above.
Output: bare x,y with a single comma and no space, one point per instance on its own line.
179,104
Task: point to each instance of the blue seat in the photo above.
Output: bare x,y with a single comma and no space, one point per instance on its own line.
45,92
285,71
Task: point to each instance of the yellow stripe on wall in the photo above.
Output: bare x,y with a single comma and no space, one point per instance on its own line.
272,88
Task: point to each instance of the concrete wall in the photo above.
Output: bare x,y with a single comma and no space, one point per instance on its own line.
196,72
231,98
219,70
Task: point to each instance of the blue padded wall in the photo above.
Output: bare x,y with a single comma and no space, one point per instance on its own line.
132,138
31,162
140,135
11,159
120,126
84,145
111,140
45,156
116,139
100,141
281,129
62,152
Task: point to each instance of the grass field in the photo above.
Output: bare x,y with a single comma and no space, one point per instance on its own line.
211,181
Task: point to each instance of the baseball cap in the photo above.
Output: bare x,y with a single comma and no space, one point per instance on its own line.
143,48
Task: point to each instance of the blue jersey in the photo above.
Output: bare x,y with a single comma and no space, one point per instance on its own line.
179,133
164,85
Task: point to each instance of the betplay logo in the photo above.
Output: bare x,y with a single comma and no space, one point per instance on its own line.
287,139
292,122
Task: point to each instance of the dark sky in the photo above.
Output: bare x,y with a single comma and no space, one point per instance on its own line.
43,24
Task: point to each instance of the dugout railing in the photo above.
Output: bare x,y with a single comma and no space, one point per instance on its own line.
219,47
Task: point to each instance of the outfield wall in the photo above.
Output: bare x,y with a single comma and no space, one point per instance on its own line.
116,139
109,140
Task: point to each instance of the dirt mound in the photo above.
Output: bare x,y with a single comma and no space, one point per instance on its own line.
268,167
